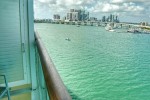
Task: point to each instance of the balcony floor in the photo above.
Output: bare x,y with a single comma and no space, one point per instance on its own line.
19,95
25,96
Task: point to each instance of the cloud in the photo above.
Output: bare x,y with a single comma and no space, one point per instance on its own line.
127,1
104,7
132,7
117,1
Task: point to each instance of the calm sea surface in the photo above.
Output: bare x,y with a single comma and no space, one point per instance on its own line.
99,65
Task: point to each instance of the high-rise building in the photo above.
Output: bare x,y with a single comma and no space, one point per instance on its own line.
82,15
116,18
108,19
72,10
113,18
93,19
64,18
69,16
56,17
77,15
86,16
103,18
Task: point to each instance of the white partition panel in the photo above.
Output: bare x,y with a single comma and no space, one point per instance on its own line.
12,60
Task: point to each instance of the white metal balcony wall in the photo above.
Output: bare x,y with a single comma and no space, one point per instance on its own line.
13,62
17,49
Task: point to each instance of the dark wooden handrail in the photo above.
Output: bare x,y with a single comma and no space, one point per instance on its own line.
55,86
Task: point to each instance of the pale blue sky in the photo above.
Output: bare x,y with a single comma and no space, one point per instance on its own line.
127,10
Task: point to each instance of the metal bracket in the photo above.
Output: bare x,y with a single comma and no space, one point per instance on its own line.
23,47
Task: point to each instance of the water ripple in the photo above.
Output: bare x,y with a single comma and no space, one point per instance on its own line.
99,65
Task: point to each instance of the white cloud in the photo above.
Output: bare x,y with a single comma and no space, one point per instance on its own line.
132,7
105,7
110,7
44,1
117,1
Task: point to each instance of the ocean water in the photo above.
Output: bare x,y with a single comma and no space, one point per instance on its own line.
99,65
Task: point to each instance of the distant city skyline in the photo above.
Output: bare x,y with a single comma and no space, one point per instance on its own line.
127,10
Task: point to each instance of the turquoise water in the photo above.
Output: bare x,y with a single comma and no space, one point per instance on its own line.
99,65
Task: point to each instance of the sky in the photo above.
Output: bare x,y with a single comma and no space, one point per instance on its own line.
127,10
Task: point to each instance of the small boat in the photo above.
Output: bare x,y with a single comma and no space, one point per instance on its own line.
133,30
146,31
68,39
109,28
78,25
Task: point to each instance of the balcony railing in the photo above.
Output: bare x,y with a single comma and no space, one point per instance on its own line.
55,86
